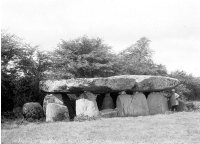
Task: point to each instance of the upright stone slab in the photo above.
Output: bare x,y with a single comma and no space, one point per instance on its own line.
87,105
132,105
52,98
62,99
157,103
56,112
107,102
32,111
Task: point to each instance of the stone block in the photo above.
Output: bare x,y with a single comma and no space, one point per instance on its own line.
132,105
56,112
87,105
157,103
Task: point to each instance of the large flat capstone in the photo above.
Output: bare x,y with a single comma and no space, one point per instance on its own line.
110,84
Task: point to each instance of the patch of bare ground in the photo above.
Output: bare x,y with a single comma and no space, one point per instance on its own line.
178,128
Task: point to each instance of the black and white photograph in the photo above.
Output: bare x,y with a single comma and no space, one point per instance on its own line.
100,71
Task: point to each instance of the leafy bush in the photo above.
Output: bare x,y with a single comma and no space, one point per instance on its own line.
193,105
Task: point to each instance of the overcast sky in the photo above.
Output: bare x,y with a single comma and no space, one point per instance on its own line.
173,26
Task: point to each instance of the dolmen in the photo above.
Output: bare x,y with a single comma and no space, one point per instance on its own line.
116,96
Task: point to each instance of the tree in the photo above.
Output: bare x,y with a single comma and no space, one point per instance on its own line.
11,50
190,86
23,67
137,59
83,57
139,52
33,65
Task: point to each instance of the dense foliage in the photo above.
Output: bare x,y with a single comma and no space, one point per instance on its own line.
23,66
190,87
137,59
83,57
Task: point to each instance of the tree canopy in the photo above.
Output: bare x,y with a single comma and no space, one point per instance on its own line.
83,57
137,59
22,68
190,86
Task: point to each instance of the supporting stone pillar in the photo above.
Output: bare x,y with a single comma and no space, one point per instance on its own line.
107,102
56,112
61,99
52,98
157,103
87,105
132,105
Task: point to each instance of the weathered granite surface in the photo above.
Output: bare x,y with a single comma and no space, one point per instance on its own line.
87,105
110,84
58,99
32,111
132,105
56,112
52,98
157,103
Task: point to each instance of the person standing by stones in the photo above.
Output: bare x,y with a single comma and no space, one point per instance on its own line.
174,101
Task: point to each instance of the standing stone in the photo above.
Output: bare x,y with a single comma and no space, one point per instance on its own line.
56,112
61,99
132,105
32,111
87,105
157,103
107,102
52,98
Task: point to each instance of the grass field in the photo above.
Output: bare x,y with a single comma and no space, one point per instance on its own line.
180,128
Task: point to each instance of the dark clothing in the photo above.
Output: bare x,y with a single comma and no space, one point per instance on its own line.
174,108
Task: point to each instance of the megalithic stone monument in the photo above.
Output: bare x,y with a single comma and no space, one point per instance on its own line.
116,84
